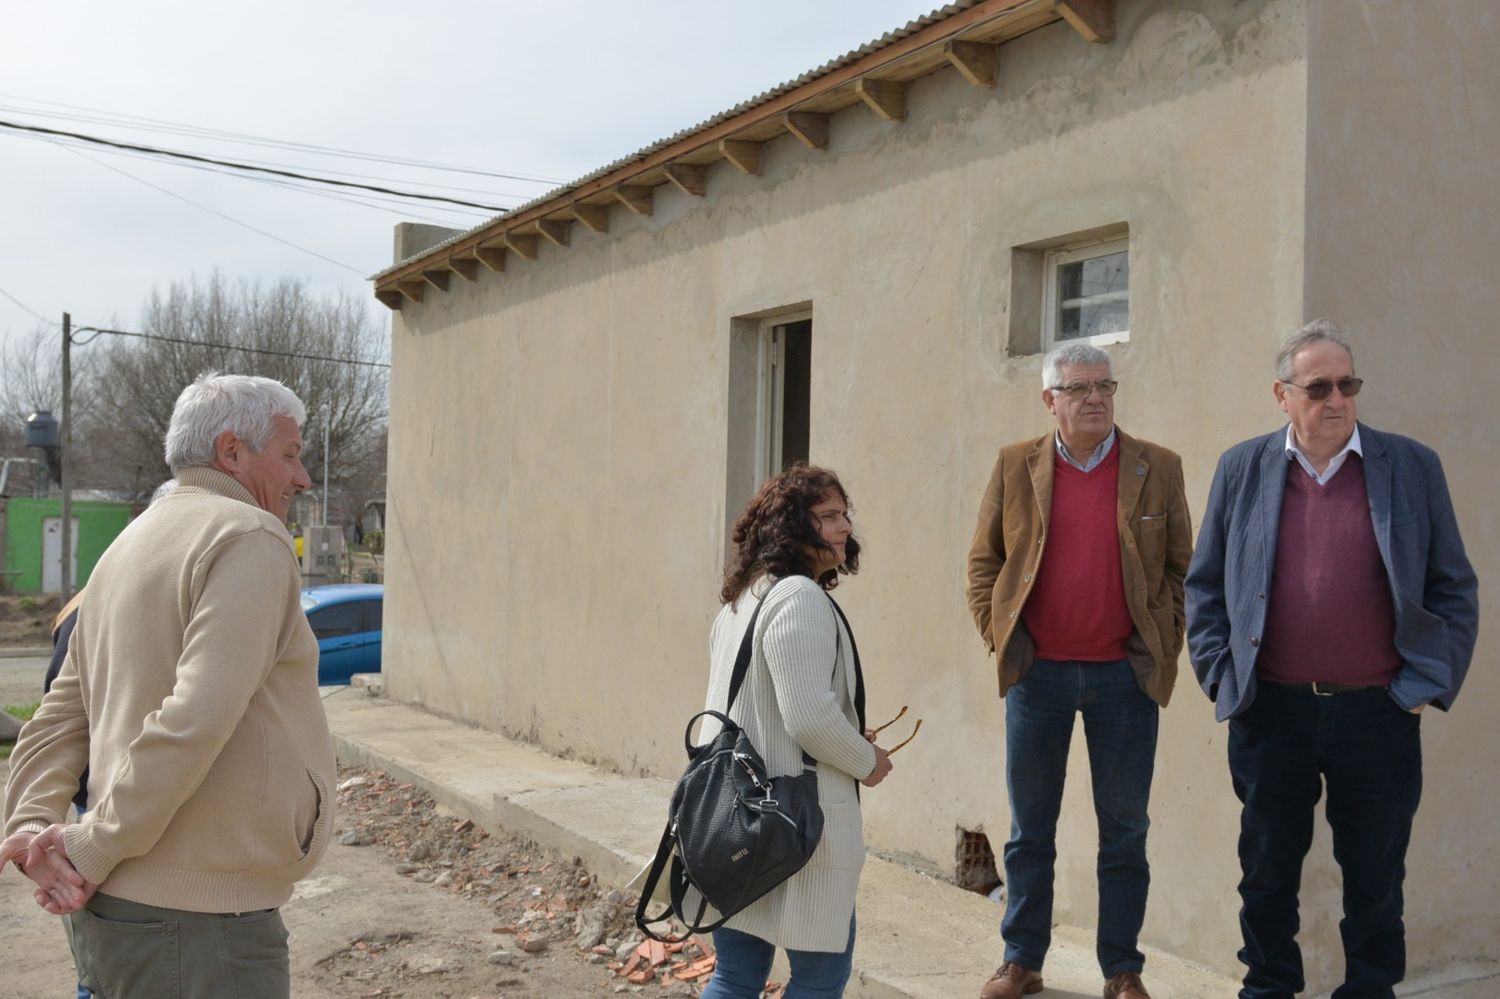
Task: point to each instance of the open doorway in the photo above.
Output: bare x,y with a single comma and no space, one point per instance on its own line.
783,421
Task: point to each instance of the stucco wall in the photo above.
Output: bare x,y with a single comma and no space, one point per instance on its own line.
1402,244
559,441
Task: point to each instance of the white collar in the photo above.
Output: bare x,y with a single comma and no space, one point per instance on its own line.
1294,453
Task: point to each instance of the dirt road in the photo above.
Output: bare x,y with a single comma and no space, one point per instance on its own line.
412,911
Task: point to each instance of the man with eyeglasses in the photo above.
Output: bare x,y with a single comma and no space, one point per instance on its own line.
1329,602
1075,582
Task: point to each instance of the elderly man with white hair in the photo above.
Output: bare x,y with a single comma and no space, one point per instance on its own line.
190,693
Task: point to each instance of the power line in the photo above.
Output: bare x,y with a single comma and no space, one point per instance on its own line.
403,210
155,151
177,128
212,211
99,331
26,308
340,173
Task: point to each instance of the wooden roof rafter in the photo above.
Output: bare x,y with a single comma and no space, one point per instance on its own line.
966,40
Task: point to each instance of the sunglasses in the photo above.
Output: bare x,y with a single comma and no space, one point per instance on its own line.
892,751
1080,390
1321,389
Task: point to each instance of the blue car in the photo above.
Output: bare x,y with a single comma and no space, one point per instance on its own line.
345,617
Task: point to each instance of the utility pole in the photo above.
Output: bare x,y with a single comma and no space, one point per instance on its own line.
65,457
324,407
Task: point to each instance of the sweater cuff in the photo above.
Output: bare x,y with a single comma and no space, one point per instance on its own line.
32,826
84,854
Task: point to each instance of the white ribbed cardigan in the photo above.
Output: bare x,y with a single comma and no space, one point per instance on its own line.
799,694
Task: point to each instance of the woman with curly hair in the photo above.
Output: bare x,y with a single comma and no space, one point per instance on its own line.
803,691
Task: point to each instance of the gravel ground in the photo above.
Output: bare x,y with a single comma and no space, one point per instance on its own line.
411,901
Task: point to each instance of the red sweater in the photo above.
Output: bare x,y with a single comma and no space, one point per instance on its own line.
1076,609
1330,616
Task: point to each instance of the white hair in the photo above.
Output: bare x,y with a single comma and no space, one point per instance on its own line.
245,405
1071,353
1317,331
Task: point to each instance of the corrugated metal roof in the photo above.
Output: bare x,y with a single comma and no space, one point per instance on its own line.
889,38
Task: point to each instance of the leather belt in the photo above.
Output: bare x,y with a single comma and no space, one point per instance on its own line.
1328,689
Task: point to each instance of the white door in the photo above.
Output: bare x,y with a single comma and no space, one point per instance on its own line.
52,555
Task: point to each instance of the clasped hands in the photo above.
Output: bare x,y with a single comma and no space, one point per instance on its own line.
43,857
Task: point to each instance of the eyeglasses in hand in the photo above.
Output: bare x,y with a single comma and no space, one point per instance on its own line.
892,751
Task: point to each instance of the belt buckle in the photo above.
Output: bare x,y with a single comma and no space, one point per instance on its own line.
1317,684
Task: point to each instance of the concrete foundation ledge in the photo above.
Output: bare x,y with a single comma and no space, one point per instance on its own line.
919,938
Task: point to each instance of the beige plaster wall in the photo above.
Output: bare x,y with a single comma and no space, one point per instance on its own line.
1402,247
559,441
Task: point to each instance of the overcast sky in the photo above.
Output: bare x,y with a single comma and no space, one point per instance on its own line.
549,89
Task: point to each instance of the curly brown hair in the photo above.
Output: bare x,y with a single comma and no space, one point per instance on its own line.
776,531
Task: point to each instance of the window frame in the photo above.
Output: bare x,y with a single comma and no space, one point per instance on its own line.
1053,260
327,610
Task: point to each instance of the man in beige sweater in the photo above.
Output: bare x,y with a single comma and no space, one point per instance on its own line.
190,693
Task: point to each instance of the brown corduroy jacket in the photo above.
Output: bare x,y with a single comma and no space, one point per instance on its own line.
1156,544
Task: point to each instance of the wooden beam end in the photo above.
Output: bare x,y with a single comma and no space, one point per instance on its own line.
745,156
635,197
975,61
811,129
689,178
1093,19
886,98
596,217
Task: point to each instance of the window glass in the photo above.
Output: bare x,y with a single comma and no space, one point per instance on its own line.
372,614
340,619
1093,297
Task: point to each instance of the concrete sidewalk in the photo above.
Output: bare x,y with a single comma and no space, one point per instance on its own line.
918,937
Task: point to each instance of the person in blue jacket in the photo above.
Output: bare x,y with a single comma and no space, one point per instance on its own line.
1329,601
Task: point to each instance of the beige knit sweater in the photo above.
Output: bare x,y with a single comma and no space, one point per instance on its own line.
799,694
190,691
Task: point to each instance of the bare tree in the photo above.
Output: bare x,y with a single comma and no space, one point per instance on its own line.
281,331
32,381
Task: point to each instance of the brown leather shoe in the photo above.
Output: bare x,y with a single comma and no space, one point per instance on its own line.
1011,981
1126,985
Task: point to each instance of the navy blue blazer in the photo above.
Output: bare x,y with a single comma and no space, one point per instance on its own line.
1436,594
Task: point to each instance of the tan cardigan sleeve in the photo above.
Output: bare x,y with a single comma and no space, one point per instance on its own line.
800,643
50,756
233,639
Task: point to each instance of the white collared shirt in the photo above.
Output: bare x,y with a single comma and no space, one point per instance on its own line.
1334,464
1100,453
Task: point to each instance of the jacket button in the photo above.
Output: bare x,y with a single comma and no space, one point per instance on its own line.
1012,613
1025,579
1263,596
1253,640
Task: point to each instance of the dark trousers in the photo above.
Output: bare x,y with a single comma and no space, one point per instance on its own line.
1119,725
126,950
1282,750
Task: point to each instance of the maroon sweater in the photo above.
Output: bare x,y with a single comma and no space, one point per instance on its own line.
1330,617
1076,609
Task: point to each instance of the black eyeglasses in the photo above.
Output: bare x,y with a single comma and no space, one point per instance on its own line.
1080,390
1322,388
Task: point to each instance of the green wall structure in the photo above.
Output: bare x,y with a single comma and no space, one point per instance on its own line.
99,522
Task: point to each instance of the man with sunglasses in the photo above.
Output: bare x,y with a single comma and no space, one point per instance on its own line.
1075,583
1329,602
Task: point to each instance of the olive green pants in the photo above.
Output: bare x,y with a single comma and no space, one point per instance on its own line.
126,950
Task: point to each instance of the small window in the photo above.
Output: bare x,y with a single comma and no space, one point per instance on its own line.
1087,294
331,622
372,614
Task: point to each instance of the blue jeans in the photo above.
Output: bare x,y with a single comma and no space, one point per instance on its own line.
744,962
1119,724
1281,751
